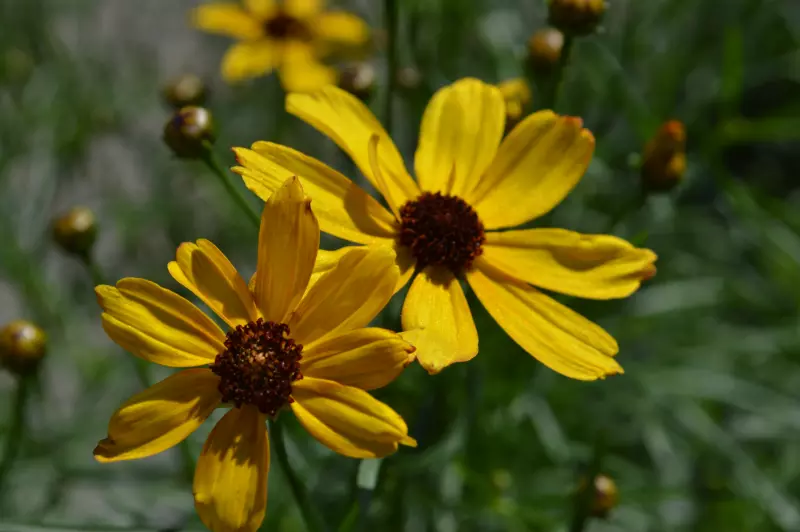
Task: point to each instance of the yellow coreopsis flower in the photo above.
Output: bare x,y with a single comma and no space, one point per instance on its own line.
290,36
471,183
286,347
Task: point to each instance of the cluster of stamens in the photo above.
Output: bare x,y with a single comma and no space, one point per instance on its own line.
283,26
441,230
258,366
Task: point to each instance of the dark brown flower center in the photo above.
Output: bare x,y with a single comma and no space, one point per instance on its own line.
258,366
441,230
283,27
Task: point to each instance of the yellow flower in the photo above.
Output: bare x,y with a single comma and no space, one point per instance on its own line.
517,95
291,37
471,182
286,347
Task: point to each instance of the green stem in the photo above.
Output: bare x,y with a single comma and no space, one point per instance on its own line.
141,368
298,490
584,497
552,90
211,160
17,429
390,18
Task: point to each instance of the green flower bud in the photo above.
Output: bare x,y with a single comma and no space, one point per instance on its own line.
76,231
544,49
22,345
188,130
186,90
576,17
358,79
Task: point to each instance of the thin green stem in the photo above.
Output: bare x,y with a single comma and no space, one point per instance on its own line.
17,429
390,20
211,160
310,518
92,268
552,90
584,497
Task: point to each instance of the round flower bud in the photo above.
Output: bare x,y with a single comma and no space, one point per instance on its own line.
664,158
186,90
188,130
544,49
76,231
22,346
408,78
605,497
517,95
358,79
576,17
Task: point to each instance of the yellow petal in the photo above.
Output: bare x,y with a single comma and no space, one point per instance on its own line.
395,198
344,209
205,271
536,166
350,124
230,482
558,337
160,417
347,297
158,325
327,260
365,358
287,247
437,312
303,9
302,70
248,60
591,266
227,19
262,9
341,27
348,420
461,130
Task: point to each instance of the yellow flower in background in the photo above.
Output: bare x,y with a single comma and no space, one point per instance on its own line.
445,226
286,347
517,95
292,37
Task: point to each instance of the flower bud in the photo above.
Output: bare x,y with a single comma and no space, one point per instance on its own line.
358,79
186,90
408,78
187,132
544,49
605,496
664,159
576,17
76,231
22,346
517,95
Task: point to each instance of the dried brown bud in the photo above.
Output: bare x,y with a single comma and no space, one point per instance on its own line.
188,131
358,79
76,231
22,345
664,159
544,49
186,90
576,17
517,94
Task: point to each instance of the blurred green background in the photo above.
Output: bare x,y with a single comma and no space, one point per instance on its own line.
701,433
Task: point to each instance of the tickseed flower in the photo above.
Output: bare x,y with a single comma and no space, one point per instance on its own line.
471,182
664,158
517,95
286,347
292,37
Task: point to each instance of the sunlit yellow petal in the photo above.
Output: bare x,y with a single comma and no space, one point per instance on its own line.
204,270
342,207
340,27
437,313
348,420
536,166
248,60
350,124
393,195
303,9
262,9
365,358
160,417
226,19
301,69
158,325
461,130
230,482
287,247
591,266
558,337
348,296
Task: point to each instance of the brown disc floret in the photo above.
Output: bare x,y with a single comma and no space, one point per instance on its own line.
258,366
283,27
